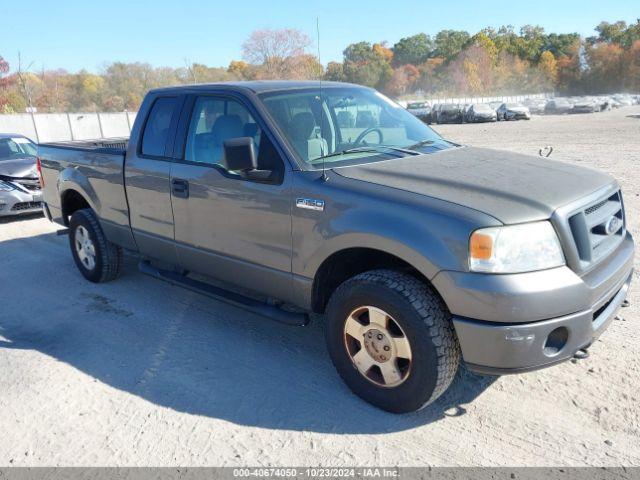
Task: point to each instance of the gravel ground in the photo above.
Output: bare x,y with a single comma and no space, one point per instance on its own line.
137,372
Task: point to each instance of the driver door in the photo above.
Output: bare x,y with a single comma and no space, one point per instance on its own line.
226,226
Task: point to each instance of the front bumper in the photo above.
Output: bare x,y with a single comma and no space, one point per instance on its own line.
483,118
496,349
517,116
17,202
516,323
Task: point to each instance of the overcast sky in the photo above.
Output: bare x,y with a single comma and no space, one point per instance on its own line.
86,34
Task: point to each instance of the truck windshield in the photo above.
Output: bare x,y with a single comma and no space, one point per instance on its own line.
348,125
18,147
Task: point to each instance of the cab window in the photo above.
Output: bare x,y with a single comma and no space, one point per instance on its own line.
213,121
156,130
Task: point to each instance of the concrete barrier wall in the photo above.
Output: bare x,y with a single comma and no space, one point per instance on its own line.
84,126
19,123
51,127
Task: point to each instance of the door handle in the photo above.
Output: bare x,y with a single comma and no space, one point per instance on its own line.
180,188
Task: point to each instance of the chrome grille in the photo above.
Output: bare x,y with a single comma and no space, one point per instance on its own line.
598,228
595,207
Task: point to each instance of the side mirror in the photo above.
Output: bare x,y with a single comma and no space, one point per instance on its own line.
240,156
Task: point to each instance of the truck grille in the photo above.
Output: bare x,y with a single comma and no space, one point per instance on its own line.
597,229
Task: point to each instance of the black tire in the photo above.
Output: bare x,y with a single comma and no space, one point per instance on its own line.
426,323
108,256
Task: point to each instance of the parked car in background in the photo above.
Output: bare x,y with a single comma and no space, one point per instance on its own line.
585,105
623,100
603,103
20,191
535,105
435,110
513,111
450,113
480,112
557,106
422,110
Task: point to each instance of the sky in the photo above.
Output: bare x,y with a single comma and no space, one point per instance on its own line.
87,34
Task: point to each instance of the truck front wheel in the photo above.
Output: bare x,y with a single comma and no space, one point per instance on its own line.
97,258
391,340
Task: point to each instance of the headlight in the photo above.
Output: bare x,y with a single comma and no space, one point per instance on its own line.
6,187
515,248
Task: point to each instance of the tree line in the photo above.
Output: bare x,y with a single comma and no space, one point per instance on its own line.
451,63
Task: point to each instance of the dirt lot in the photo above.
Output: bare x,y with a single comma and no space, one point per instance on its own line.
137,372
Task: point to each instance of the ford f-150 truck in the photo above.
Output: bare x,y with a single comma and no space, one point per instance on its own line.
292,198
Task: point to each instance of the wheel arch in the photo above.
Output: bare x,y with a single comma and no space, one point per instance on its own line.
349,262
76,192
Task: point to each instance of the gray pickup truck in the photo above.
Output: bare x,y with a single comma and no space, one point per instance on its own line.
292,198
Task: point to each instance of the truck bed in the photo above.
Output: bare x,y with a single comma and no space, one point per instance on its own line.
94,167
110,145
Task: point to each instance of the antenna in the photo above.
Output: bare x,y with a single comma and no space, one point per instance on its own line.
324,172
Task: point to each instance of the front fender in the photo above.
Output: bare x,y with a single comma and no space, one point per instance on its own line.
429,234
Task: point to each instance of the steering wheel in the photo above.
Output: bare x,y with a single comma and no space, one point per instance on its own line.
362,136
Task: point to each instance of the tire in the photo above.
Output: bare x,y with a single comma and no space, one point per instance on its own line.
107,258
418,313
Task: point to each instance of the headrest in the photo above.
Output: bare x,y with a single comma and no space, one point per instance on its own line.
227,126
302,125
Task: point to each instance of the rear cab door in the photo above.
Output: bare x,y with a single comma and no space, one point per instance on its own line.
147,175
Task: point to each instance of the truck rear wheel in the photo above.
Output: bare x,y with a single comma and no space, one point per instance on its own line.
97,258
391,340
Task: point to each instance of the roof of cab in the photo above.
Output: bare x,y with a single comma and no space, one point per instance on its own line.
259,86
13,135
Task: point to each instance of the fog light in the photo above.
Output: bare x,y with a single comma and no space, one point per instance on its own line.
556,341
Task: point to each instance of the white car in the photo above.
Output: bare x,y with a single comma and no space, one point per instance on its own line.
20,189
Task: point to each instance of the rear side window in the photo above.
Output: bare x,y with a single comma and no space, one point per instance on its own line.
156,130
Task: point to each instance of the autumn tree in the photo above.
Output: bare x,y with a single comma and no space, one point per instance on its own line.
548,67
605,67
569,69
241,70
631,64
4,69
366,66
335,72
273,51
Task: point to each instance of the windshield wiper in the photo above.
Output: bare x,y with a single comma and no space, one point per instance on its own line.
424,143
370,149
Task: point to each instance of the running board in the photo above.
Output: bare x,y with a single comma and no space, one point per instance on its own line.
235,299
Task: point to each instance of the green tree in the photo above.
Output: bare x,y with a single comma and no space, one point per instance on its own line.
414,50
560,44
366,65
531,42
335,72
449,43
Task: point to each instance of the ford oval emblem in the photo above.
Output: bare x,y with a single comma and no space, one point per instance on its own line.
612,225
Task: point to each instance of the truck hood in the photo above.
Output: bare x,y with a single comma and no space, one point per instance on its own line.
19,168
511,187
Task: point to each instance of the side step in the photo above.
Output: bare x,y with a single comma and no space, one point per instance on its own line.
236,299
